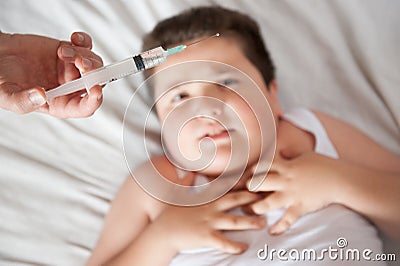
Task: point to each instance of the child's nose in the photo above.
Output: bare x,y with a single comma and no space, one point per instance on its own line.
208,106
214,108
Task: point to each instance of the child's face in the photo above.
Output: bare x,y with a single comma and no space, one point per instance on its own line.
192,132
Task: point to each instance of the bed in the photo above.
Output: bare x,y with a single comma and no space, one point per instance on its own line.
58,176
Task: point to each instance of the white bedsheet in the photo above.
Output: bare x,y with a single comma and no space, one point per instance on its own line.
57,177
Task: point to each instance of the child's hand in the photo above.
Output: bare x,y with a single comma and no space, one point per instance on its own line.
202,226
302,185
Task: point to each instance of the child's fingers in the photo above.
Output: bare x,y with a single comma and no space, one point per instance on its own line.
271,182
236,222
219,241
255,183
274,201
235,199
260,168
291,215
278,165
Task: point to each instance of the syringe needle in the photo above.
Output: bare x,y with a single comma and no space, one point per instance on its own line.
204,39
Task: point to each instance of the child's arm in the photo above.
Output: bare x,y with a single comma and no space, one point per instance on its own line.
312,181
129,214
125,220
369,175
356,147
366,179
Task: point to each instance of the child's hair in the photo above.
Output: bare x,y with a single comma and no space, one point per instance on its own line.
209,20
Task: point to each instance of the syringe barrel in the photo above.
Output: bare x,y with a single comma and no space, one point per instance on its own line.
154,57
109,73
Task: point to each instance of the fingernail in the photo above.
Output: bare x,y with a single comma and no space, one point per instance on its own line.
36,98
80,37
86,63
273,231
256,209
276,230
67,52
243,248
99,97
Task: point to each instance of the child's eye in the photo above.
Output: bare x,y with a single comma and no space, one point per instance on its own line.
180,97
229,81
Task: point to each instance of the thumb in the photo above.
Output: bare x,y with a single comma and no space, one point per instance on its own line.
19,100
278,165
188,179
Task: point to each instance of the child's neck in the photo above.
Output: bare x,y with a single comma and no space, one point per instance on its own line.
241,184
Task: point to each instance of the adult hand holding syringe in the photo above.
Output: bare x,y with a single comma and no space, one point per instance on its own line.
31,64
112,72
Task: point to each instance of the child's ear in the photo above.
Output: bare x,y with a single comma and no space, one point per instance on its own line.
274,99
273,86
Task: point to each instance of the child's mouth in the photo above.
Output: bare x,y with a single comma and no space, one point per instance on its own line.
219,134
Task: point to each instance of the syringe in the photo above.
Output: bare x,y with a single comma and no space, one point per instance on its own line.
112,72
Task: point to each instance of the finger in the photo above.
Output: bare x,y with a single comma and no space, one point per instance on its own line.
291,215
278,165
87,64
21,101
81,39
75,105
69,54
188,179
253,184
271,182
89,54
219,241
61,102
247,210
43,109
235,199
66,66
238,222
273,202
91,102
261,168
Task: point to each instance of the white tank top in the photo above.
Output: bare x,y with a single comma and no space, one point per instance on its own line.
314,232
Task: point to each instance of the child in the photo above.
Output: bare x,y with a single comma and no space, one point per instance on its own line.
140,230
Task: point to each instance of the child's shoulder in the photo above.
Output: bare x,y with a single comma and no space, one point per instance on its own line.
158,165
145,175
161,167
